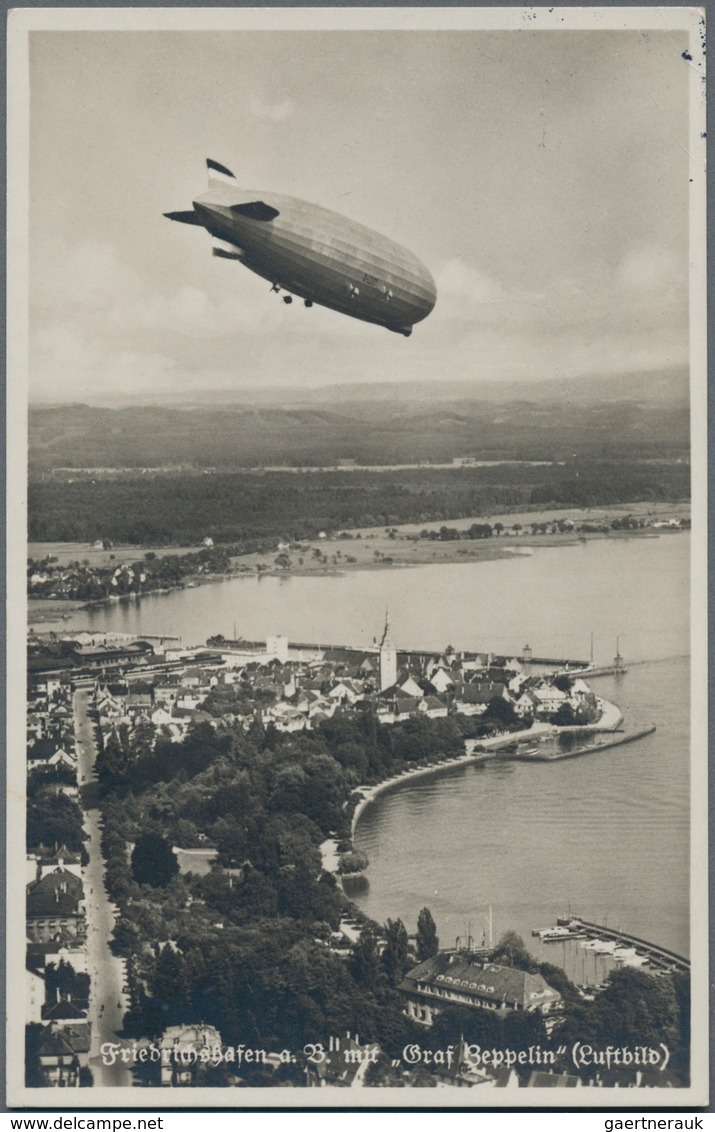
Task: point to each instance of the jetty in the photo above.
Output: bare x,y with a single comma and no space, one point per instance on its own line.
601,670
659,958
330,650
536,754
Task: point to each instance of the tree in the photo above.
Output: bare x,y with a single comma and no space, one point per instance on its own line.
63,980
365,961
171,988
153,861
427,939
394,957
565,716
353,863
501,711
563,682
511,949
112,762
635,1007
55,819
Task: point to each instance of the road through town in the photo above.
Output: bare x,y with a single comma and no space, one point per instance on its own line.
108,1000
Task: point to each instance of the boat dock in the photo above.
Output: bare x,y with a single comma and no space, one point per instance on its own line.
603,670
536,754
660,959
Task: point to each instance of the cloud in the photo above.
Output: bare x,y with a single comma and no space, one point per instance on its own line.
101,330
89,285
272,111
647,269
464,293
66,361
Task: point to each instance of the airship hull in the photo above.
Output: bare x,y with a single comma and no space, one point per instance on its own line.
318,255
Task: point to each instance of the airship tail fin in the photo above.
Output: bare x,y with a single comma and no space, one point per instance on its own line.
219,173
183,217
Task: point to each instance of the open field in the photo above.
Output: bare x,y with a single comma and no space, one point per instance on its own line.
644,510
376,549
67,552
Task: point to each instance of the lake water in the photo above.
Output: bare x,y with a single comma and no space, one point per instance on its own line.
552,599
605,835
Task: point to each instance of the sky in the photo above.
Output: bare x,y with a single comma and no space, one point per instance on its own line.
541,175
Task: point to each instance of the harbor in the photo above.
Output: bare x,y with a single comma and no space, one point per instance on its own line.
555,754
622,947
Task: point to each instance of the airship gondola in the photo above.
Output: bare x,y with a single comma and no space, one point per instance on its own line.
313,253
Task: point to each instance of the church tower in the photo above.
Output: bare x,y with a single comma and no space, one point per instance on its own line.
388,658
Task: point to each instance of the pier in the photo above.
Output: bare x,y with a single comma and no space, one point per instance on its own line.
601,670
326,648
539,756
659,958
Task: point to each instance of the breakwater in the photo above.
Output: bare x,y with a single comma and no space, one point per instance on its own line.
330,649
539,756
659,957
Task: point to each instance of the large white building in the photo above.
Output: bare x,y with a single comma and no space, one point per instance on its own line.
388,658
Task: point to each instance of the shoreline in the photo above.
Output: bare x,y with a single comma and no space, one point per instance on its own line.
405,552
489,748
328,848
370,793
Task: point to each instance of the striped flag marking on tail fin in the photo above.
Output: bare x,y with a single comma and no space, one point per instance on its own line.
225,250
219,173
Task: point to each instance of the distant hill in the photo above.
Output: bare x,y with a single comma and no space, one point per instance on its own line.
382,428
646,386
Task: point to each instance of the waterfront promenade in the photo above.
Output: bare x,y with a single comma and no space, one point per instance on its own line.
484,749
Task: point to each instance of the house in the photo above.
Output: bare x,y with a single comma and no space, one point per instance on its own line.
526,704
460,978
186,1052
55,907
409,687
478,662
474,699
440,680
39,955
580,690
47,753
433,707
35,994
289,720
62,1052
140,697
110,656
62,858
345,692
550,698
160,717
64,1012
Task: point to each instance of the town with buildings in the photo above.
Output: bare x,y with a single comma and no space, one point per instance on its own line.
121,691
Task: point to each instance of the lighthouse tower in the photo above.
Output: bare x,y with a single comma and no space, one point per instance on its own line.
388,658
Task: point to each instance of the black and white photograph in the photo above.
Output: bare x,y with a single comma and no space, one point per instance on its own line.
357,646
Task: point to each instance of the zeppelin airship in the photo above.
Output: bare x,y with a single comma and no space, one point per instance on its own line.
310,252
